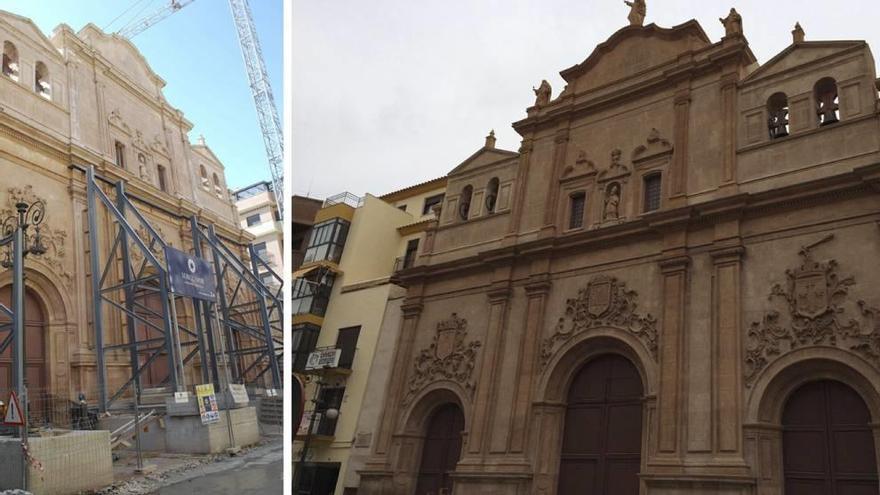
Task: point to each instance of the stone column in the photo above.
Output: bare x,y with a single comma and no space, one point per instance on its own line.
560,148
519,193
536,291
670,412
728,121
679,167
549,424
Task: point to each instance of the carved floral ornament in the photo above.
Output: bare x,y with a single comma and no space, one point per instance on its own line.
814,315
604,302
447,358
53,239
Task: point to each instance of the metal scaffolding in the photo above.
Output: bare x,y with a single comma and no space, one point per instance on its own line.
133,273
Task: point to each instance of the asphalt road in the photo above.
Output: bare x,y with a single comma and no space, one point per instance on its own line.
258,476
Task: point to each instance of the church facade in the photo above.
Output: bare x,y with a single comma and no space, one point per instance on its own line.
670,288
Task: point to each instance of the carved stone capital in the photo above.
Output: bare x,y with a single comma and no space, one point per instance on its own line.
727,254
674,264
412,309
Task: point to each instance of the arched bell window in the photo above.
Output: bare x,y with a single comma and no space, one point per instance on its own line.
464,204
492,195
218,189
203,175
10,60
777,115
827,103
41,81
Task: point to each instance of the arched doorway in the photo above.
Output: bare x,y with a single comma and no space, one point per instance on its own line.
602,442
441,451
35,355
827,442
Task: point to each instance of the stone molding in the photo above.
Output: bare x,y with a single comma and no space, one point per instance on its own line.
814,316
448,357
604,302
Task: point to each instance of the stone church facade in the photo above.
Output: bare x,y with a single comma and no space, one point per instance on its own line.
669,289
69,101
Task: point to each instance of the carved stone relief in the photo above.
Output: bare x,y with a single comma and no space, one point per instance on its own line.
604,302
447,358
135,252
53,239
813,315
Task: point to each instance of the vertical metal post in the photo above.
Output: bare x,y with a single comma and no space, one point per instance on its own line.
267,329
97,309
225,330
203,320
297,473
134,358
175,333
19,337
228,389
169,338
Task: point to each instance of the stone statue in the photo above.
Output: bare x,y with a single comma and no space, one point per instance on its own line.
797,34
542,93
732,23
612,202
637,12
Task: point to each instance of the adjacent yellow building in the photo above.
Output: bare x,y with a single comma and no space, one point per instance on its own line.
346,309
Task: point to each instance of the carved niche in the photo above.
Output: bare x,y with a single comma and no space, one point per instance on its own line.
53,239
447,358
814,315
604,302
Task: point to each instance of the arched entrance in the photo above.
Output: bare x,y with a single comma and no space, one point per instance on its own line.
441,451
827,442
35,355
602,442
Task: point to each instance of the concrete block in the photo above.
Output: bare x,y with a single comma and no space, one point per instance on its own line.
186,434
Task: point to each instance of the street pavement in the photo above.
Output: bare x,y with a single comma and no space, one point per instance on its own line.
259,475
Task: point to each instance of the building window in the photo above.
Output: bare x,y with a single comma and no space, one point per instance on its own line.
412,249
218,189
327,241
312,296
41,81
491,195
120,154
430,202
402,207
203,174
464,204
260,249
253,220
10,60
330,397
652,192
346,341
777,111
827,103
163,180
276,215
304,337
576,210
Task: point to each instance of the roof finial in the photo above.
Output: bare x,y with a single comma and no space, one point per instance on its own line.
797,34
490,139
201,140
637,12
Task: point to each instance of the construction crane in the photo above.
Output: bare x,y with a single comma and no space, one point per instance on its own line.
258,80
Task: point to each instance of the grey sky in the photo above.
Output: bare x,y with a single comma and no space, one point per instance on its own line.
387,93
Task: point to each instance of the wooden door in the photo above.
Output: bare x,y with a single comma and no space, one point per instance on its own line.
159,369
827,442
441,452
602,442
35,356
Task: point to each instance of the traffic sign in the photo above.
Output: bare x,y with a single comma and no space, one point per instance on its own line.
14,417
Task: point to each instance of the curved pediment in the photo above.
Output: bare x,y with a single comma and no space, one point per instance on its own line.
123,55
27,27
632,50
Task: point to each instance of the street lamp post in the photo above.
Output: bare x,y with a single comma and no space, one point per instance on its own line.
331,414
16,225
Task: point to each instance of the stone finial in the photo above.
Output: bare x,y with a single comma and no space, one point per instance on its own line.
201,140
637,12
797,34
490,139
732,23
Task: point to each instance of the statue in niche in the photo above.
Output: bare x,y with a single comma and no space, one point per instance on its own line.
637,12
732,23
142,167
612,202
542,93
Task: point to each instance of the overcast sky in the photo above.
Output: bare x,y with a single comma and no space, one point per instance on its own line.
389,93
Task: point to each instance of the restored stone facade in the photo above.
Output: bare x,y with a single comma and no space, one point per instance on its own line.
89,98
664,207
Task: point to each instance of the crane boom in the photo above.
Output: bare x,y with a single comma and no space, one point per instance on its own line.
258,78
131,30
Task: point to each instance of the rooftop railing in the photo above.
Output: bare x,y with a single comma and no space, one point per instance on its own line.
345,198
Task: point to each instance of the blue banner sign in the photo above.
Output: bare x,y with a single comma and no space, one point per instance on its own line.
190,276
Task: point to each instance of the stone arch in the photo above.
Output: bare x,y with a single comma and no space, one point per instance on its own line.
560,370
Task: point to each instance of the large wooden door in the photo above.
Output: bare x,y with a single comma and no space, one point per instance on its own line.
602,442
35,356
827,442
442,450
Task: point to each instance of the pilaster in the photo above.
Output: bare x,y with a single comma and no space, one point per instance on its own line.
671,415
679,169
560,148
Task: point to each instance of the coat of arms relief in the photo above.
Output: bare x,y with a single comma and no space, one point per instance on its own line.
604,302
447,358
814,294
